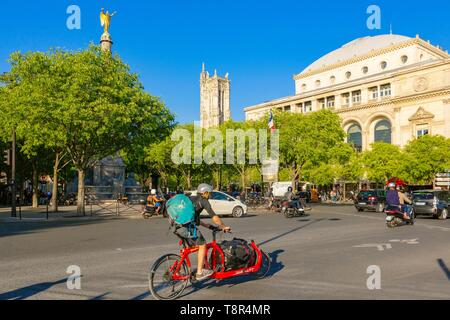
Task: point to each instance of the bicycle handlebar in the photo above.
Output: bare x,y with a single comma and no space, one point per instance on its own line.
217,229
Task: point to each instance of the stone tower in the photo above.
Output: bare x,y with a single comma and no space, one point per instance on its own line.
214,99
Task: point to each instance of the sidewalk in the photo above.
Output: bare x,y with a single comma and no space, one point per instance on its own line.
69,212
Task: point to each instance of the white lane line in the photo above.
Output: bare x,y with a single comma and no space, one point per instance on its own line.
379,246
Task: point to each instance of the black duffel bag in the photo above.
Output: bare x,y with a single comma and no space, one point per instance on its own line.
238,254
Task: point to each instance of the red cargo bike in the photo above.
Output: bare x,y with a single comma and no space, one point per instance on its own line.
170,274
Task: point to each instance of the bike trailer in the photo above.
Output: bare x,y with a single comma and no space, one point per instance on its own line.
180,210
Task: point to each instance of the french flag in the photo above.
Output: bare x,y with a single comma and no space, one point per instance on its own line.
272,126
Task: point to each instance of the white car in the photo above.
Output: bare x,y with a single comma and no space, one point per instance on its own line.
224,205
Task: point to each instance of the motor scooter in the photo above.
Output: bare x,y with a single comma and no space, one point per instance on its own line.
290,209
150,211
395,217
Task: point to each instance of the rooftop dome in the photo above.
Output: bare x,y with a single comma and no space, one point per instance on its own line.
357,47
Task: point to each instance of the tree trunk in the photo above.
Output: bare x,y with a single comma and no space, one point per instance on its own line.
243,179
294,176
189,180
35,178
80,199
54,202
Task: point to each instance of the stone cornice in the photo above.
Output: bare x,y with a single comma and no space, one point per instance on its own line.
396,101
354,83
374,53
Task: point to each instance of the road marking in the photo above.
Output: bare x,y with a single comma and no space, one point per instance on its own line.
379,246
411,241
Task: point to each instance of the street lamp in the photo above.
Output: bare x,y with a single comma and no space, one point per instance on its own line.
13,175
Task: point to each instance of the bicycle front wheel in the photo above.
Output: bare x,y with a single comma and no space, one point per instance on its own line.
161,282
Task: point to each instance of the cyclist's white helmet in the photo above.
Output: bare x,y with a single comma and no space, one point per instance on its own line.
204,187
153,192
391,185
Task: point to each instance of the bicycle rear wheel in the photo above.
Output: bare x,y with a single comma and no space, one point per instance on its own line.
161,284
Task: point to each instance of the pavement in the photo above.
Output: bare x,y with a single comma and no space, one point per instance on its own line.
28,213
332,254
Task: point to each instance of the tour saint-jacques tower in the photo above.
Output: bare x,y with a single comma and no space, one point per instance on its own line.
214,99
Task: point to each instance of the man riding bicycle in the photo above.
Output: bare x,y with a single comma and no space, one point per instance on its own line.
201,202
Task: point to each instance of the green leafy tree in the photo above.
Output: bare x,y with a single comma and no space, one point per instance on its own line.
383,162
425,157
87,103
312,139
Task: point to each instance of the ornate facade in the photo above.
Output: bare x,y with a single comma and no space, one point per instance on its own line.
385,88
214,99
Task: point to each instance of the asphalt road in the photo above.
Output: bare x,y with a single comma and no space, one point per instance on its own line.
323,256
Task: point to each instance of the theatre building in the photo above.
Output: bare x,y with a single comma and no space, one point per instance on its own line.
388,88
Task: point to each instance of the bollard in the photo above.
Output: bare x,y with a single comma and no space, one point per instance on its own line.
20,211
47,209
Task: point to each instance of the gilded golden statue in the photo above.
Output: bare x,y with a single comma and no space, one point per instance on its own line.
105,19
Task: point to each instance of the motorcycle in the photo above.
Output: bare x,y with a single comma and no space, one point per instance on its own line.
395,217
290,210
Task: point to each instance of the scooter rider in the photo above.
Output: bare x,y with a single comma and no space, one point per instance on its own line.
201,202
405,203
290,196
392,198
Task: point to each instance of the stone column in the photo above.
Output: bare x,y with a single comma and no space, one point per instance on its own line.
106,42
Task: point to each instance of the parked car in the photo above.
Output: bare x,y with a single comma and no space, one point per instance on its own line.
432,202
371,200
224,204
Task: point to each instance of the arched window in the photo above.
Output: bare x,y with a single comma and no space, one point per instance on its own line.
383,131
355,136
365,70
348,74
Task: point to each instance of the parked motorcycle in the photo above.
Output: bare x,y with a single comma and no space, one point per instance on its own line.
291,210
395,217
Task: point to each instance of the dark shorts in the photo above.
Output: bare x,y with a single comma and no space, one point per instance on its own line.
184,234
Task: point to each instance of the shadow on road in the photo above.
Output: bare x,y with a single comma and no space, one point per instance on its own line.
444,267
26,292
100,297
28,227
291,231
142,296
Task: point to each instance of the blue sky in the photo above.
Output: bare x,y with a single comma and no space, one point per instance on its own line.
260,43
